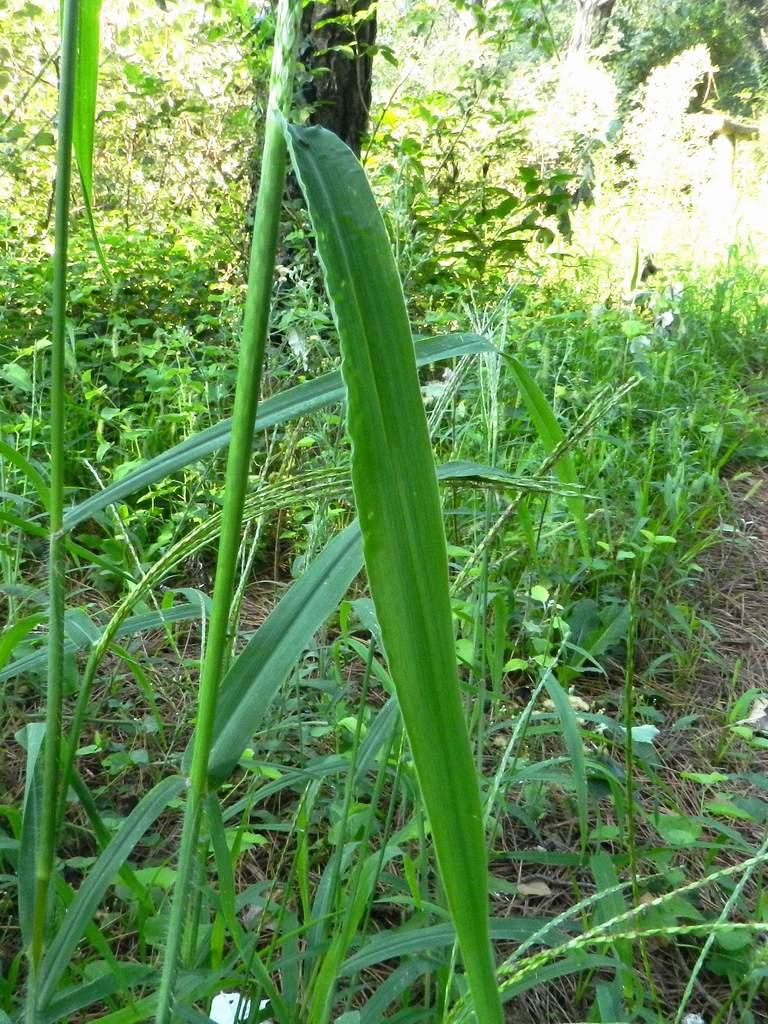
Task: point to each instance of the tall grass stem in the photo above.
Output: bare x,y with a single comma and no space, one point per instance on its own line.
254,332
46,845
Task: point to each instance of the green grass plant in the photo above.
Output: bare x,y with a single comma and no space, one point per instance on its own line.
254,332
45,850
277,711
491,748
395,484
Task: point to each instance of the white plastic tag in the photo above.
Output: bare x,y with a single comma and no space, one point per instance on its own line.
224,1008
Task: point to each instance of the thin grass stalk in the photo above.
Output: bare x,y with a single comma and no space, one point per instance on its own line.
253,340
629,771
46,846
629,758
725,913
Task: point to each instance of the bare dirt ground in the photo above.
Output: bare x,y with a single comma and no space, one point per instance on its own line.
736,594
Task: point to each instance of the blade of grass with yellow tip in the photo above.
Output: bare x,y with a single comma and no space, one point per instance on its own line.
395,485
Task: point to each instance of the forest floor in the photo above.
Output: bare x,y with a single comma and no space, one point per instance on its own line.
734,594
698,679
730,602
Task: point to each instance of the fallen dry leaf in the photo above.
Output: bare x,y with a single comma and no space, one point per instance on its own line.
534,889
758,717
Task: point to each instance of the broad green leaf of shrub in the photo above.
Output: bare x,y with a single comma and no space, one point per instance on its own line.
677,830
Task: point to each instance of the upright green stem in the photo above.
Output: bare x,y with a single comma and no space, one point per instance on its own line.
254,332
629,766
629,721
46,846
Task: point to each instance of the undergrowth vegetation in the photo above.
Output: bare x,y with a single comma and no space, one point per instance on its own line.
438,682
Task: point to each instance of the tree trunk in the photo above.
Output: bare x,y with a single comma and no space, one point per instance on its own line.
336,80
336,55
589,24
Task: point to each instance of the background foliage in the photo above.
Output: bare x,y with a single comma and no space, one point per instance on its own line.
573,206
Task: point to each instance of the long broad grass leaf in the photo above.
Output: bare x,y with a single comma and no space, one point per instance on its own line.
261,668
32,739
285,406
395,485
551,435
100,877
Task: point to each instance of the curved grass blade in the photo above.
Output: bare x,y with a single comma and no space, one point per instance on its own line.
577,964
136,624
395,485
400,942
15,632
551,435
261,668
86,81
254,679
286,405
575,747
308,485
35,477
551,972
69,1003
138,1011
101,876
476,472
401,979
31,738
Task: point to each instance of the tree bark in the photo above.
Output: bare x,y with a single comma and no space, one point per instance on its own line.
589,24
336,55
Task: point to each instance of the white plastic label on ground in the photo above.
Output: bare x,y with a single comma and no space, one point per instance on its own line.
233,1007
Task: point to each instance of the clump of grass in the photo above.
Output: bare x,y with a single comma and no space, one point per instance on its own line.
556,585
